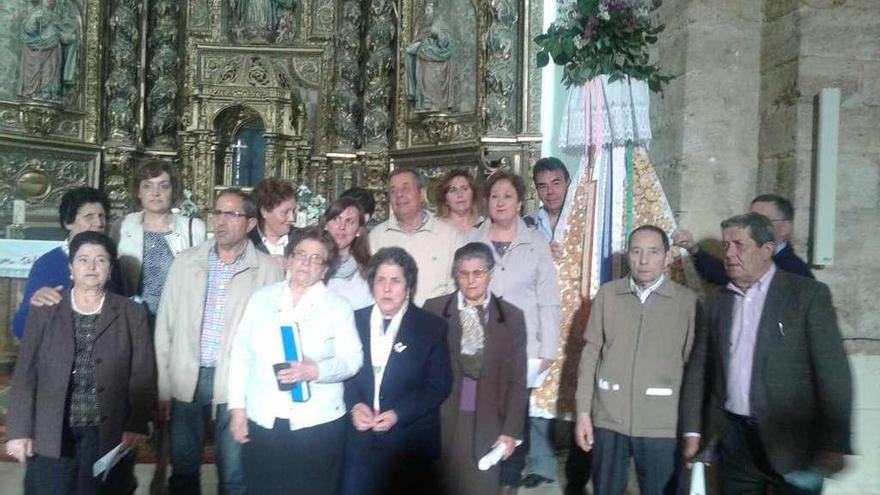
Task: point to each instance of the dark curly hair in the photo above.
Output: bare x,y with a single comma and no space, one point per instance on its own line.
92,237
394,256
74,199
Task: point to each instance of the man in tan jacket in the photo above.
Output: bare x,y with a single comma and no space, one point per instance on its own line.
639,337
431,242
205,295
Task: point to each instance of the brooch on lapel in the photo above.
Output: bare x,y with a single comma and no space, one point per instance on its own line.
399,347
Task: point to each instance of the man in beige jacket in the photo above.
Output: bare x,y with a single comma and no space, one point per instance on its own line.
639,337
205,295
410,226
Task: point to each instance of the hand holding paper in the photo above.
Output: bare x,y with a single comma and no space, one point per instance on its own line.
537,372
110,459
494,456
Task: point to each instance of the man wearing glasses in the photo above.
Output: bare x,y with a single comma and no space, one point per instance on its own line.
780,212
205,295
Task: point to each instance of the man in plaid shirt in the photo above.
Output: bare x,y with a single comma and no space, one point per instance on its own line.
205,295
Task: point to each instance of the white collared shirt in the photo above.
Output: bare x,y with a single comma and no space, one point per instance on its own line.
329,338
275,249
643,294
779,247
381,342
542,221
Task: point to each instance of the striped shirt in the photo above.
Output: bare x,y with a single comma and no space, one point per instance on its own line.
214,314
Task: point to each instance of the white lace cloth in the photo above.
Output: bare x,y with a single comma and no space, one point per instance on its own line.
622,108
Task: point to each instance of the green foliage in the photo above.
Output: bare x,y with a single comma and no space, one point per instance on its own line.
602,37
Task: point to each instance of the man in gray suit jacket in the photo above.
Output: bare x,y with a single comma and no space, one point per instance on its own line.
768,376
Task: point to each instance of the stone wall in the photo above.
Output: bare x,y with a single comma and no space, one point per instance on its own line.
829,44
739,121
705,132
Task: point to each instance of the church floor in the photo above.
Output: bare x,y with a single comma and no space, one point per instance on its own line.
11,481
861,477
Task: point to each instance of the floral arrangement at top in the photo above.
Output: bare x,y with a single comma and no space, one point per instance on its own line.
591,38
310,206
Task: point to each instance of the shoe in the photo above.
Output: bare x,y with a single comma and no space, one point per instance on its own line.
508,490
533,480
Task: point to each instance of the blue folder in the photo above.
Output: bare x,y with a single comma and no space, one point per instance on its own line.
292,342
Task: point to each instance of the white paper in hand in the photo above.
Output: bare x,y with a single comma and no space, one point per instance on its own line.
534,376
110,459
493,457
698,479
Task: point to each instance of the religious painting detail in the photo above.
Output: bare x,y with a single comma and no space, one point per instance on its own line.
429,64
262,21
49,53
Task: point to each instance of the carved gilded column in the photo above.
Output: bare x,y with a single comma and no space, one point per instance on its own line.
347,114
272,155
378,73
501,67
163,53
375,167
121,84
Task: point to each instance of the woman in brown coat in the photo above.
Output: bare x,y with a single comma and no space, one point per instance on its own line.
487,345
84,381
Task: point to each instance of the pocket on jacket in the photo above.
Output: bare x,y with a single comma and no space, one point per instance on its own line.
658,406
609,402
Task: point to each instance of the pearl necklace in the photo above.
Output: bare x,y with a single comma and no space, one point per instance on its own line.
85,313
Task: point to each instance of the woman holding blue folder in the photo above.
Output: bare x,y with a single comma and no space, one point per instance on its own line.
295,345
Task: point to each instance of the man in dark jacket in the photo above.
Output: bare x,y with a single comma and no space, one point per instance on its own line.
768,377
780,212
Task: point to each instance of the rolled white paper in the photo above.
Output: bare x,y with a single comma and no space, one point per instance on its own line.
698,479
493,457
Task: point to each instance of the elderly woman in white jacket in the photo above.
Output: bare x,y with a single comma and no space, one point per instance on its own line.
294,446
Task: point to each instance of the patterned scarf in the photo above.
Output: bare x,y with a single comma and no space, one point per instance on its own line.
472,340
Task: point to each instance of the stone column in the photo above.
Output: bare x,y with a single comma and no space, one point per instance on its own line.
705,149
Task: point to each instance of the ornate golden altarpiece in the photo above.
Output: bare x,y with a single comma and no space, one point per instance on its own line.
329,84
342,91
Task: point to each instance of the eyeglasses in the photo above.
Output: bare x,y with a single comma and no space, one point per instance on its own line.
477,274
229,215
312,259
